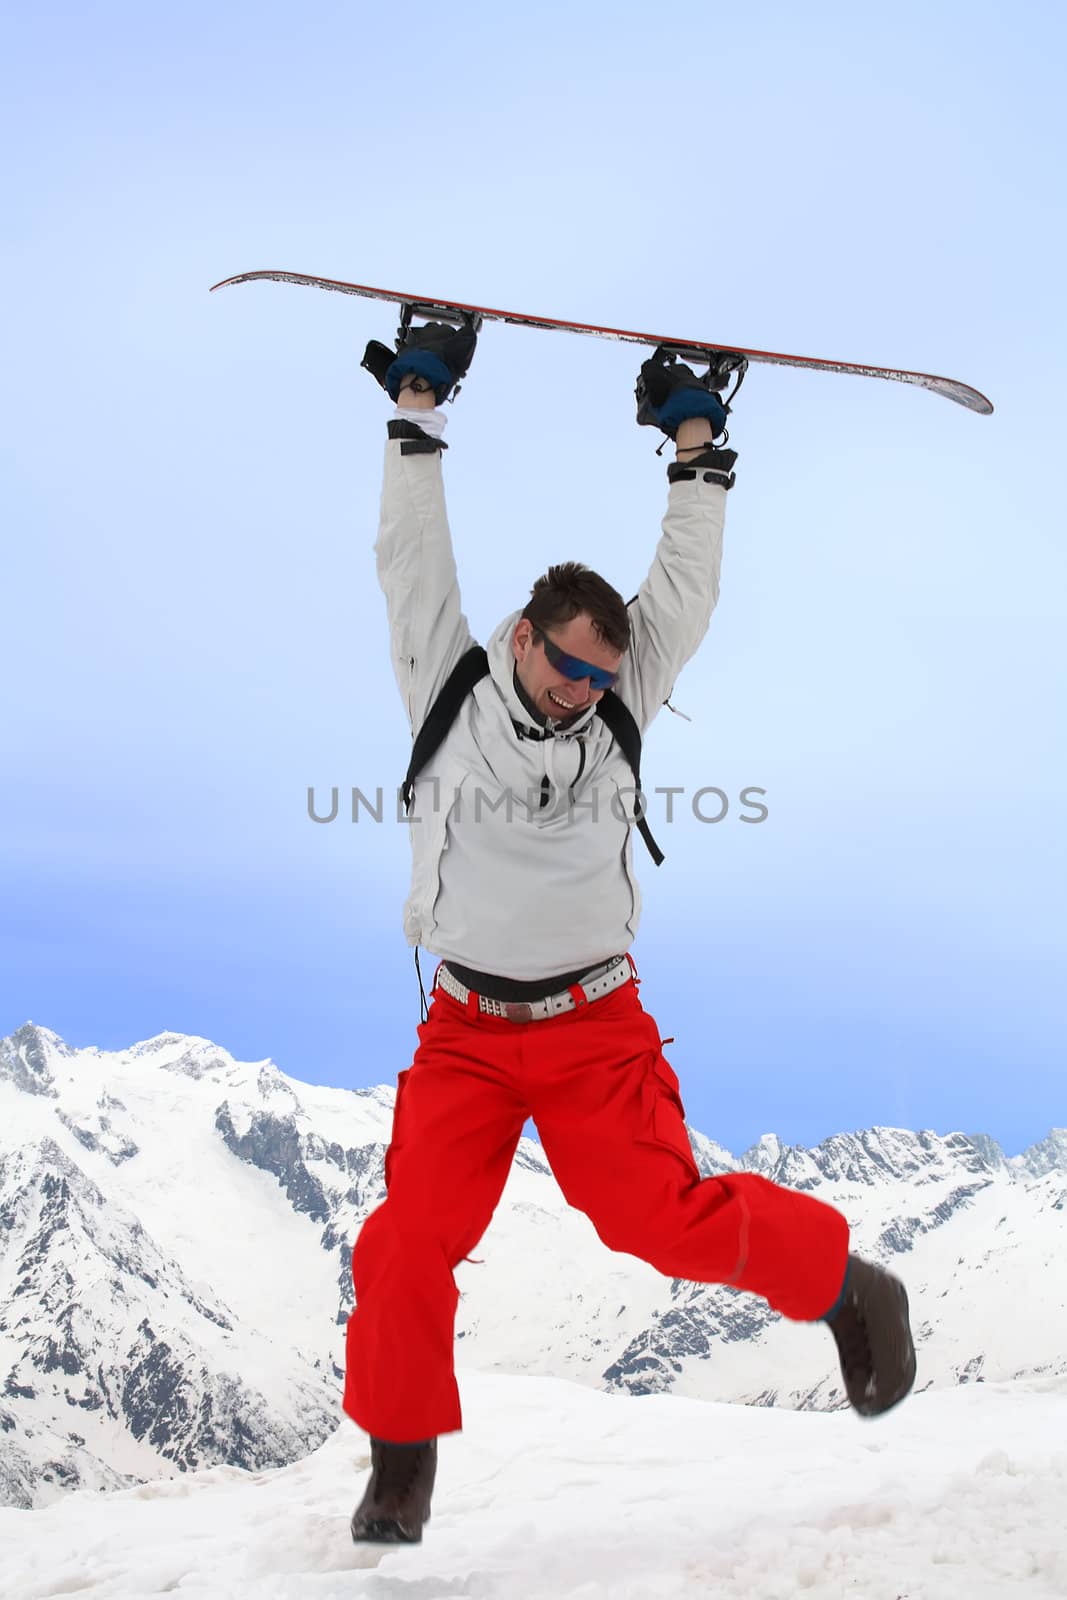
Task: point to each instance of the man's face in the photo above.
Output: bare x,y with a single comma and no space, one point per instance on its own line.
552,693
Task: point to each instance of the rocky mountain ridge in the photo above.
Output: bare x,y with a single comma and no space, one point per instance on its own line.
176,1230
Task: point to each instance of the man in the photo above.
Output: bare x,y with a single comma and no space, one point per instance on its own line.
523,886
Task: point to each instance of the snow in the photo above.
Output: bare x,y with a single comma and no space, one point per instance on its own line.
235,1267
557,1492
186,1188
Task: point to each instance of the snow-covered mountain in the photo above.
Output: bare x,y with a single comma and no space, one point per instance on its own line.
177,1228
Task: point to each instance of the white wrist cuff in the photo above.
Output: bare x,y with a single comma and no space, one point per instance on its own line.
431,422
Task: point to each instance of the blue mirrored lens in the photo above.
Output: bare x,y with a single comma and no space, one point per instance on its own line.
574,667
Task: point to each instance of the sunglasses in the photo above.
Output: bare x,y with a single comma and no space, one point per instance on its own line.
573,666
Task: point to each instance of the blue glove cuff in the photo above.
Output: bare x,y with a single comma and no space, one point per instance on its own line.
689,402
420,364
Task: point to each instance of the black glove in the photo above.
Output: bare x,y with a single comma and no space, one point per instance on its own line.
669,393
435,351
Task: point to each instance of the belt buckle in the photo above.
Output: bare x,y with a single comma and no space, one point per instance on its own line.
517,1010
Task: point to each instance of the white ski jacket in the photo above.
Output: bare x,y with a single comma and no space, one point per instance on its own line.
502,882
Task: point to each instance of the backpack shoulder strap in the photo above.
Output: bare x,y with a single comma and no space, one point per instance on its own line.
469,670
619,720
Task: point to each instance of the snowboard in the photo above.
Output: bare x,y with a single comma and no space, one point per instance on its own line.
725,358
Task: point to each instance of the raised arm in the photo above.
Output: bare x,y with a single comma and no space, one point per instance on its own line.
673,608
416,565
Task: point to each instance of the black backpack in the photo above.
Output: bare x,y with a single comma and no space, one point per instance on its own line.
470,669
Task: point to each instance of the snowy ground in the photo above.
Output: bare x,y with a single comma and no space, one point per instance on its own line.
557,1492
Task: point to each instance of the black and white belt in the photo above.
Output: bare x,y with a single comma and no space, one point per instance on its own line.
592,985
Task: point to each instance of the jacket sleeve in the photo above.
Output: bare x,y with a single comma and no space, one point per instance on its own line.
417,571
670,616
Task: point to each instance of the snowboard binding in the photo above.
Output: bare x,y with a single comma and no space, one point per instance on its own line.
669,392
438,351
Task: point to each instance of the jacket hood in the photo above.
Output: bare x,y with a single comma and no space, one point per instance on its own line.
502,670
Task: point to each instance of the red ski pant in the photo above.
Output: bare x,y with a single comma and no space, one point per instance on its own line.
607,1108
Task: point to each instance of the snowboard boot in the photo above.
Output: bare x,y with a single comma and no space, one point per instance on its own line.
873,1335
397,1499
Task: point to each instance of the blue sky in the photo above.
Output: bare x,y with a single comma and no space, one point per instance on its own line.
193,632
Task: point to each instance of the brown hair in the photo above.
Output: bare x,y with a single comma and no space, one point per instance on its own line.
570,589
